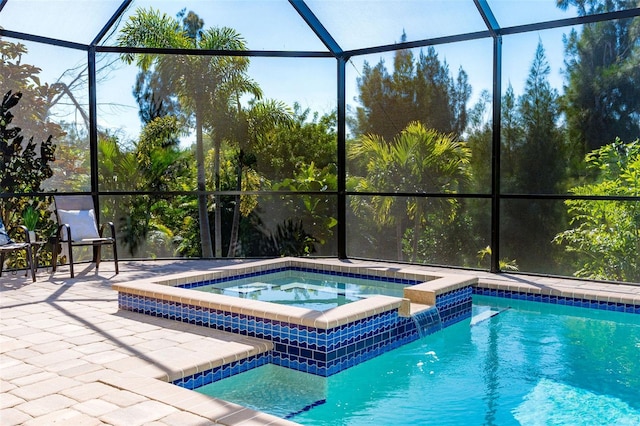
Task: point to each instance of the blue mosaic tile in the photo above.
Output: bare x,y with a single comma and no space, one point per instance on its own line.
218,373
455,306
559,300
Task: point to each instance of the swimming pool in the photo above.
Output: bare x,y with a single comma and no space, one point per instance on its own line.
519,363
309,290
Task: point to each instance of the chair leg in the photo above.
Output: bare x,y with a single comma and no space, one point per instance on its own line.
36,261
54,257
97,252
1,262
70,258
30,262
115,257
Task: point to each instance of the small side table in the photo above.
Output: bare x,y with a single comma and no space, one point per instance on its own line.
36,246
11,247
31,238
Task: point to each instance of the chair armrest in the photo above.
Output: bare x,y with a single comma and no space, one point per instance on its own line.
27,239
60,235
112,228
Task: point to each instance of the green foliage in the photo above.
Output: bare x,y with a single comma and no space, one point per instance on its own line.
154,96
30,217
602,95
28,149
71,170
143,229
253,124
179,214
479,137
443,235
23,168
32,112
150,225
417,160
539,160
512,140
158,156
282,152
419,89
504,264
24,165
315,212
290,239
118,168
532,161
605,235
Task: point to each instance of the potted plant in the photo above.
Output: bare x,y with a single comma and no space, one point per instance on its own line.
30,217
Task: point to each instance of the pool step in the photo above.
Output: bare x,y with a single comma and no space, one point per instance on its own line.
483,316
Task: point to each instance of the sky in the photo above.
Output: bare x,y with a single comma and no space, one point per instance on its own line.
275,25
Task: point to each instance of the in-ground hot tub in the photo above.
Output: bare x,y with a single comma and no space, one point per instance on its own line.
318,291
313,341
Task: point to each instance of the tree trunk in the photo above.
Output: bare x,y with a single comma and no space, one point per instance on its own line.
416,228
399,239
235,225
203,212
217,198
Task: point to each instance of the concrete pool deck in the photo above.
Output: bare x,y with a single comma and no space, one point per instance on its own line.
69,356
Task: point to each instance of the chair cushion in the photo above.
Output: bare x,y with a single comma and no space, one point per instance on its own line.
82,223
4,237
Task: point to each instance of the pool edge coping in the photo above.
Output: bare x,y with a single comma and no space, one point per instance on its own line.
418,296
588,292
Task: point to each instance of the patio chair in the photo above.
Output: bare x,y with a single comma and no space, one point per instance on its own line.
78,226
7,245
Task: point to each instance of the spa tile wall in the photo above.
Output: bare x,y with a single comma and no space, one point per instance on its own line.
223,371
454,306
315,350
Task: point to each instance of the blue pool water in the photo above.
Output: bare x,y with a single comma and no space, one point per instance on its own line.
305,289
519,363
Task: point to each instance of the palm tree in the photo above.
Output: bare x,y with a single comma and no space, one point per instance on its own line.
381,176
201,82
418,160
253,125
